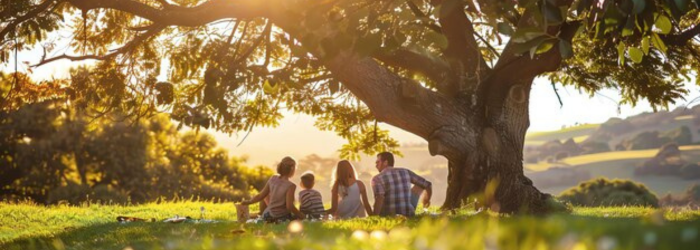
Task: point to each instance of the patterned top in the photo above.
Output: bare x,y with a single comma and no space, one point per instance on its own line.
311,203
395,185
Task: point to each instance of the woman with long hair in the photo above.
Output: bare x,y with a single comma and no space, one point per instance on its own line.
279,192
348,194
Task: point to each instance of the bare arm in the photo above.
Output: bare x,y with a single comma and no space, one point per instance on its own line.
334,200
365,201
427,196
290,203
263,193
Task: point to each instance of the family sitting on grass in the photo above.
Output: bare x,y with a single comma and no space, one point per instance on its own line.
392,187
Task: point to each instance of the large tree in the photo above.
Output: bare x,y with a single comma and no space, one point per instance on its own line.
455,72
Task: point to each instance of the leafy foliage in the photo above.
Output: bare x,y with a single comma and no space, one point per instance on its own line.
238,73
53,154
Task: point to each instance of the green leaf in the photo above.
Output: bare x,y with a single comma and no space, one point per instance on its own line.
645,45
505,29
546,46
629,27
523,35
520,48
621,53
658,43
682,5
565,49
552,14
269,89
663,23
636,54
639,6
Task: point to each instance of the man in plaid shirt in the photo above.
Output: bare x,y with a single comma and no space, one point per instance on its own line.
393,194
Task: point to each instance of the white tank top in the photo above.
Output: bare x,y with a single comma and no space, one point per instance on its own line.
350,205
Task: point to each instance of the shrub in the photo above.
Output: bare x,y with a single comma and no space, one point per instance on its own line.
645,140
682,135
592,147
604,192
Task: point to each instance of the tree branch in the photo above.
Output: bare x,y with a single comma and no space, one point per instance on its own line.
381,90
181,16
152,31
682,38
31,14
436,70
462,46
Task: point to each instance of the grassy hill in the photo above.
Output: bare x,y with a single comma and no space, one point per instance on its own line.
91,226
621,164
579,133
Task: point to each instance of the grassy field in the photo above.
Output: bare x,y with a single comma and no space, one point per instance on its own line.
27,226
579,133
621,164
690,153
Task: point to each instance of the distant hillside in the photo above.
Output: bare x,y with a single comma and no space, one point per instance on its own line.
617,164
615,130
578,133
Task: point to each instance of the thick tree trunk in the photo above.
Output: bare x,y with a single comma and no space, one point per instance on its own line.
491,173
482,138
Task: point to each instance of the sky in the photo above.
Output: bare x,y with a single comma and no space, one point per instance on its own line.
296,136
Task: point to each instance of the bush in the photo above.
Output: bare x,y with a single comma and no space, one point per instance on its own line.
645,140
604,192
592,147
681,136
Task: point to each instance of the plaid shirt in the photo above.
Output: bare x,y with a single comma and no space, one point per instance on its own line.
395,185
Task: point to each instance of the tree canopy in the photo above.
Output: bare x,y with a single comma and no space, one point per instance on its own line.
232,65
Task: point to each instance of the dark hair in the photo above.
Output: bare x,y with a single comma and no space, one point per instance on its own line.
307,180
386,156
286,166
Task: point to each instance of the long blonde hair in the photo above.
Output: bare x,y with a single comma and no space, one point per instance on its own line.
342,174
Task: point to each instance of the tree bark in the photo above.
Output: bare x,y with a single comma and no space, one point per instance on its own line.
491,174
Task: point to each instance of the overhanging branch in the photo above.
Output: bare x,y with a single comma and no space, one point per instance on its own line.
202,14
462,46
151,31
435,69
682,38
31,14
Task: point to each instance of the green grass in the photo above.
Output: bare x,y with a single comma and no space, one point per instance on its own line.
27,226
691,150
579,132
